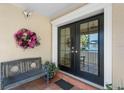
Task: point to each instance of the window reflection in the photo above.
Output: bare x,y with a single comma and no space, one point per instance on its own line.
65,54
89,47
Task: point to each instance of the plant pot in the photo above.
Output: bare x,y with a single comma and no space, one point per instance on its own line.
53,75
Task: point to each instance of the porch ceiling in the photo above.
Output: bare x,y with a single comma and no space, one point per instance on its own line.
51,10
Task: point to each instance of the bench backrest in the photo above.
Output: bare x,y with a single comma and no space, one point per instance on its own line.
16,67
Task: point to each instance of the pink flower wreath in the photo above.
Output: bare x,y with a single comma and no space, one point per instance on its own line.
26,38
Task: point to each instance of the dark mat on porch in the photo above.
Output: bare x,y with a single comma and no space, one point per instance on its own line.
64,84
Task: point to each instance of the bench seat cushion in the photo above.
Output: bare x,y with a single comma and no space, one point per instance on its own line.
20,77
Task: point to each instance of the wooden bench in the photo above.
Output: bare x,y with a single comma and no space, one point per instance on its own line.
17,72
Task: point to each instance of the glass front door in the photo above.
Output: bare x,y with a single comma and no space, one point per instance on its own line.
89,47
81,49
66,49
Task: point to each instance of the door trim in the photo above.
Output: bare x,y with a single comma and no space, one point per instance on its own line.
81,13
75,57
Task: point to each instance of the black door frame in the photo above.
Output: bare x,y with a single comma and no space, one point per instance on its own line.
90,77
76,37
67,69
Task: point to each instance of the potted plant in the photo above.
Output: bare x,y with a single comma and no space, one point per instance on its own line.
51,68
109,87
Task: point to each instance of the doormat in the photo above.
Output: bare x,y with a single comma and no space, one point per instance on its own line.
63,84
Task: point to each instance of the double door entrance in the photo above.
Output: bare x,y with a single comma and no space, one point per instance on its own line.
81,49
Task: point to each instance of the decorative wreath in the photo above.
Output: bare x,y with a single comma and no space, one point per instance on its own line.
26,38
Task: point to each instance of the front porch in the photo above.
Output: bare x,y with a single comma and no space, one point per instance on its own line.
40,84
85,43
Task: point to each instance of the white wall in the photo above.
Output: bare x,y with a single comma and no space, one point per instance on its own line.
118,45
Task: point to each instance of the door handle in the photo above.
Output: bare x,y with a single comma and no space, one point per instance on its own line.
72,51
76,51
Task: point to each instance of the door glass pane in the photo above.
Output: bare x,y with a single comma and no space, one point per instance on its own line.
65,47
89,47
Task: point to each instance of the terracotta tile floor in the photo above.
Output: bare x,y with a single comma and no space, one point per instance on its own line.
40,84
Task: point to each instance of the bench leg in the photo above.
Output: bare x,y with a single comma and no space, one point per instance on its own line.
47,79
1,86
